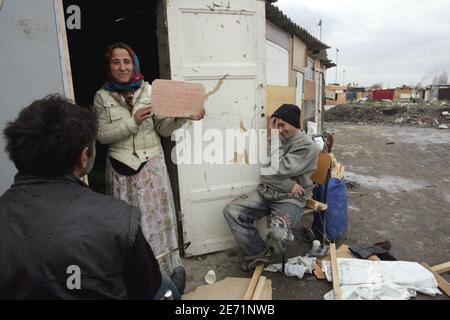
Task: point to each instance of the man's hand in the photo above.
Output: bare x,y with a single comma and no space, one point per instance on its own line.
142,114
298,189
199,115
274,123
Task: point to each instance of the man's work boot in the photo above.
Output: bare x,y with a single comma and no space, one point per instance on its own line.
250,265
178,278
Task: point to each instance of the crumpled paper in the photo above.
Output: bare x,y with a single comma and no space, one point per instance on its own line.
295,267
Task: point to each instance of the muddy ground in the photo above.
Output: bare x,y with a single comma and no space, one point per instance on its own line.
401,193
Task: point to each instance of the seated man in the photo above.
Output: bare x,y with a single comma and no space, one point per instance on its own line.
283,194
59,239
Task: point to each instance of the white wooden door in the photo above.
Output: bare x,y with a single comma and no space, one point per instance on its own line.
210,41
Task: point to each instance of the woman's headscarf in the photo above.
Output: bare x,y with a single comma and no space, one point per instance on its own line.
136,78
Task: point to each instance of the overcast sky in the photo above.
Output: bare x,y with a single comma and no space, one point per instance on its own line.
395,42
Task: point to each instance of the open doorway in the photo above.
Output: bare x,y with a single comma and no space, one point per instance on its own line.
102,24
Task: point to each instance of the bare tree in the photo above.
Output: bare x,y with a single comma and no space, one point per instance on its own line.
441,78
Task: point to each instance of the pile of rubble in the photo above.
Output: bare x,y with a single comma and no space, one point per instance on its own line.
430,115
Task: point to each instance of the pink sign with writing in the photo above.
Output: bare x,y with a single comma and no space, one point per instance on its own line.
177,99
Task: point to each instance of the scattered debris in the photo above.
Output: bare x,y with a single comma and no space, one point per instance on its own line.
395,113
295,267
352,184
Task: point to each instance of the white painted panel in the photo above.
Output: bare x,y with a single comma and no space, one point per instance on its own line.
30,64
299,90
277,65
207,43
319,99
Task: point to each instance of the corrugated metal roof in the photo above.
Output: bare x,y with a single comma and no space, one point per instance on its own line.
278,18
323,57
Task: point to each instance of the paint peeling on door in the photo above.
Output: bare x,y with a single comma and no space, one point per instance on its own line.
217,87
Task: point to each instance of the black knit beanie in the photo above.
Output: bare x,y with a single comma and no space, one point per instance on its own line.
289,113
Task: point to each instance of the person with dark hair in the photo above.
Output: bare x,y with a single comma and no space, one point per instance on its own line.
58,238
282,195
135,169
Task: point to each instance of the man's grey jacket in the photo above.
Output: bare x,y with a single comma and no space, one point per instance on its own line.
298,158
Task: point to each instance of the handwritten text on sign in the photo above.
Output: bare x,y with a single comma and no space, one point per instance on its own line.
177,99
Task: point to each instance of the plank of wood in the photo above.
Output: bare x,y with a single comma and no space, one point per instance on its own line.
335,271
64,46
316,205
442,283
441,268
253,282
259,288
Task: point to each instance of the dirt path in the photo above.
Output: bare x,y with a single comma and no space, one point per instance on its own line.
403,196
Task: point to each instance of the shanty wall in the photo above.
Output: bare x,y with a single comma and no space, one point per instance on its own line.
30,63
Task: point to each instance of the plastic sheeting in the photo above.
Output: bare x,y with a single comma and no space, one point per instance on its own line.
383,280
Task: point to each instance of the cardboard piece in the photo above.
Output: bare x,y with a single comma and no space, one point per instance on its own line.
344,252
277,96
229,289
177,99
318,272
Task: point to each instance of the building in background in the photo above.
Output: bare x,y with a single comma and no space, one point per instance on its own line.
296,64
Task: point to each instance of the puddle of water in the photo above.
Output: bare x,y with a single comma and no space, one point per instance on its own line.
387,183
417,136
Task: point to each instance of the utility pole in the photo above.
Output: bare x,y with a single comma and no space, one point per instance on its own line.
343,78
320,29
337,51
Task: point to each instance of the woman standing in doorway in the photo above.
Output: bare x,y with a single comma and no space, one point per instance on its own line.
135,170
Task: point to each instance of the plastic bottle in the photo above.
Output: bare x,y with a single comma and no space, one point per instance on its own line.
318,250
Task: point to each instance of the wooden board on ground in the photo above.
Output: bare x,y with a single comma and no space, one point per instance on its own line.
277,96
442,283
253,282
177,99
441,268
229,289
335,272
